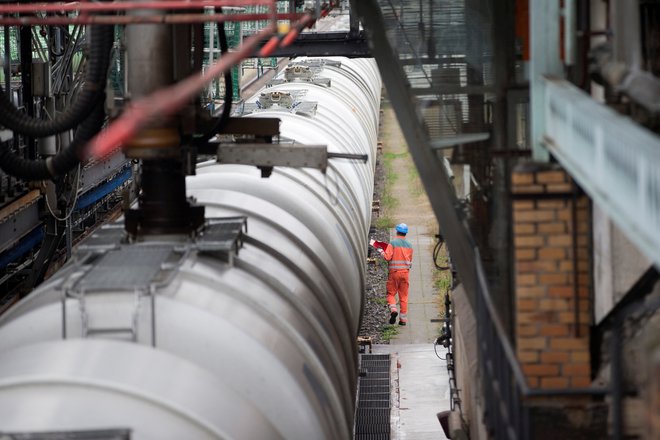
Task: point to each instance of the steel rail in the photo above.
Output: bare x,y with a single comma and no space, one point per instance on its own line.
144,19
19,8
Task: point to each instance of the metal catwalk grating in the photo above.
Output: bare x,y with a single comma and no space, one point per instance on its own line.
128,268
375,357
362,404
376,365
372,415
372,396
375,388
372,374
373,420
376,382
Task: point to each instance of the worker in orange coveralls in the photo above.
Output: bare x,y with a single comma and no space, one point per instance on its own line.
399,254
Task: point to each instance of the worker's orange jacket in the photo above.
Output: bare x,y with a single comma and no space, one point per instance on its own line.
399,253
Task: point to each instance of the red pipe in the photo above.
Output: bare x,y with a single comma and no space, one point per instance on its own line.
18,8
139,19
269,47
166,101
290,37
306,21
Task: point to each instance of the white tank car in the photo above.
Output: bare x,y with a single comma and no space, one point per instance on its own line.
178,338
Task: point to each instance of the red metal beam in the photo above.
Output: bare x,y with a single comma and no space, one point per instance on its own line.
142,19
60,7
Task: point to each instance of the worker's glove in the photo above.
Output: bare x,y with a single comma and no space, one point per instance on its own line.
381,252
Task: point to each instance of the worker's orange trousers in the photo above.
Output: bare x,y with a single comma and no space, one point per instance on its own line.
397,282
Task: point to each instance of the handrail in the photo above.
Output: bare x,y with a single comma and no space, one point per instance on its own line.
612,158
497,323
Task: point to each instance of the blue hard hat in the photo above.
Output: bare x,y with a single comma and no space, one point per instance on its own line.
402,228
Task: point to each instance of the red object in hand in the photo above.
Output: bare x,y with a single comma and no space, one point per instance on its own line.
378,244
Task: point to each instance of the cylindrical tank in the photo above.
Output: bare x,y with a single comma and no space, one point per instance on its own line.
168,340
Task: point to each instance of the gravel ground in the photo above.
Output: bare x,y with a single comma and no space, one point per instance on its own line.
376,313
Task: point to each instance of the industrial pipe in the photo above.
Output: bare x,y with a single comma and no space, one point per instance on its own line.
60,7
63,161
166,101
144,19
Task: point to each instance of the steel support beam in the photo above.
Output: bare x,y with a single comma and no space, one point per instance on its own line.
501,232
100,170
326,44
26,83
354,22
460,139
436,60
270,155
626,44
18,218
452,89
431,170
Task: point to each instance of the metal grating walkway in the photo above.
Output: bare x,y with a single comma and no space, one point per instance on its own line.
372,416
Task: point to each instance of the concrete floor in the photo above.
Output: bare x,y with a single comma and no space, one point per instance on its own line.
420,382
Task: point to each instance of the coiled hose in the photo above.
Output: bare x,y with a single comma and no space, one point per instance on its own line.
95,78
63,161
226,108
92,123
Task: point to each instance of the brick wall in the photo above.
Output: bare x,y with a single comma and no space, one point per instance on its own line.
551,344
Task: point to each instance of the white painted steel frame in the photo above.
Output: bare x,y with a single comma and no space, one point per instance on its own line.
615,160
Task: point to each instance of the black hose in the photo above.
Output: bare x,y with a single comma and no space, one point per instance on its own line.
226,108
22,168
436,253
92,123
95,78
71,156
63,161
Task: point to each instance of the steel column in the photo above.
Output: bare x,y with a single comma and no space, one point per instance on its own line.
26,81
321,44
354,22
150,64
7,61
500,235
544,34
626,44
